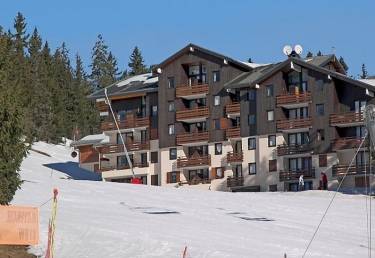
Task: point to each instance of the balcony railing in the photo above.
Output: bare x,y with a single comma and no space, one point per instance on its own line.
290,99
192,113
235,181
293,149
102,106
346,118
233,132
340,170
290,124
198,180
126,124
193,161
233,157
124,166
347,143
186,138
233,108
118,148
294,175
186,90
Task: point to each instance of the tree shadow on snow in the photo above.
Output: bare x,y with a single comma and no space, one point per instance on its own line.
72,169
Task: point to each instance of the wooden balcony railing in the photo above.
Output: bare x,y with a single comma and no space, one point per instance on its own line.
289,124
287,99
154,134
232,108
193,161
235,181
233,132
102,106
126,124
118,148
346,118
340,170
234,157
192,113
293,149
124,166
294,175
347,143
106,168
186,90
198,180
185,138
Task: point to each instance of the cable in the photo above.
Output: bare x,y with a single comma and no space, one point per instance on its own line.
334,195
367,213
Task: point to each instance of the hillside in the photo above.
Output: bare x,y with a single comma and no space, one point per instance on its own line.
101,219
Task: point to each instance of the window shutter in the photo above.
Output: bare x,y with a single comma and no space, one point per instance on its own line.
272,165
213,173
224,123
323,160
168,177
177,176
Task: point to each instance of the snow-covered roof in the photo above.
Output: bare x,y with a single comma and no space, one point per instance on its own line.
369,81
94,139
253,65
137,78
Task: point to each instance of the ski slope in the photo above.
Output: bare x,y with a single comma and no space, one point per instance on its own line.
102,219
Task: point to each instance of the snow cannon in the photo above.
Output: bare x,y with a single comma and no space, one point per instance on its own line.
136,181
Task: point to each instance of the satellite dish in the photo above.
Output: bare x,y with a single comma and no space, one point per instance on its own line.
287,50
298,49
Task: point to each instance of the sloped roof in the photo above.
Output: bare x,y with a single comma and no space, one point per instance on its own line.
93,139
138,83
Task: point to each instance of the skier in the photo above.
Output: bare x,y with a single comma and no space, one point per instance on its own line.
301,185
324,181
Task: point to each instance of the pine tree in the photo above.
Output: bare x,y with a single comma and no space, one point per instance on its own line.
136,63
343,63
309,55
364,72
20,36
319,53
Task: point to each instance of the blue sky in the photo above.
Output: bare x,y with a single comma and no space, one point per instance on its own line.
238,28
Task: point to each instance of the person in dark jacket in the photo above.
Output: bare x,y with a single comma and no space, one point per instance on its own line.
324,180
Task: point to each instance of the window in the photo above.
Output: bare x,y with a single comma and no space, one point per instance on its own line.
172,153
216,100
171,129
270,115
219,173
269,90
154,157
320,109
271,140
218,148
237,172
216,76
319,85
251,144
252,168
170,82
251,119
272,165
216,124
144,159
323,160
154,111
173,177
171,107
251,95
272,188
320,135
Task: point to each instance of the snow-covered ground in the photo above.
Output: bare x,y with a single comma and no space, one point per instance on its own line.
101,219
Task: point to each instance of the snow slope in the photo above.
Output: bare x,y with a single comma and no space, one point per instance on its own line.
102,219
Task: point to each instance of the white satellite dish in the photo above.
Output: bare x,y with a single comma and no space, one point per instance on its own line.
298,49
287,50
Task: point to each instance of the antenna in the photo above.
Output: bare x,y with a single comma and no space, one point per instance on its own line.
287,50
298,49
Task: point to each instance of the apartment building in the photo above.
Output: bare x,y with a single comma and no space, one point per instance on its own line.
202,119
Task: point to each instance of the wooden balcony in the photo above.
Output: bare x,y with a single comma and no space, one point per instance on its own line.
194,161
286,100
186,138
191,114
294,175
347,143
235,181
107,168
346,119
193,90
118,148
122,167
198,180
101,106
340,170
233,157
233,108
233,132
293,149
294,124
126,124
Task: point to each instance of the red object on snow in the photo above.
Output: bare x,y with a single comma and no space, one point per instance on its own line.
136,181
